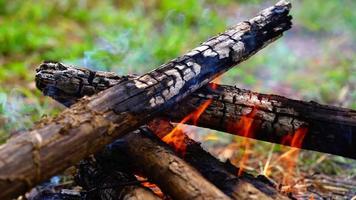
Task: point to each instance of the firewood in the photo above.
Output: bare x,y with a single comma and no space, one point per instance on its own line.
85,128
176,177
210,167
330,129
161,165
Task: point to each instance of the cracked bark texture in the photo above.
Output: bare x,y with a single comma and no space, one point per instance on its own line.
85,128
330,129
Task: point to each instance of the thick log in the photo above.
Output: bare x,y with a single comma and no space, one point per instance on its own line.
330,129
85,128
163,167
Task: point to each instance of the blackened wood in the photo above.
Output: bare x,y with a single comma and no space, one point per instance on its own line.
85,128
100,182
56,195
330,129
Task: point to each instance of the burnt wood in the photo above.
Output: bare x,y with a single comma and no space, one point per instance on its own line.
57,143
99,182
179,179
329,129
162,166
244,187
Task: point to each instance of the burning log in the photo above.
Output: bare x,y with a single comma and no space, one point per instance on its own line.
276,118
85,128
177,178
163,167
223,175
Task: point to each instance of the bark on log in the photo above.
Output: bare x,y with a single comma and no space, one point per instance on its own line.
330,129
85,128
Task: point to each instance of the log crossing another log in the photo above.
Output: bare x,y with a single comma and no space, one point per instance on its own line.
92,123
329,129
206,164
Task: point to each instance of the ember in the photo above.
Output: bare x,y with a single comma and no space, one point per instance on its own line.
155,189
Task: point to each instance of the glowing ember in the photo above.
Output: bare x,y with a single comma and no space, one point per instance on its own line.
153,187
176,137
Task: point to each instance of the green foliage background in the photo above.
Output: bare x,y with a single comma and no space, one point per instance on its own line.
313,61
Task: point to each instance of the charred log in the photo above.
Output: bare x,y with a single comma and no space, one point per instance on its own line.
330,129
90,124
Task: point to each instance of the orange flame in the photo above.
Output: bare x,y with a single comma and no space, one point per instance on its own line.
214,84
245,129
289,159
176,137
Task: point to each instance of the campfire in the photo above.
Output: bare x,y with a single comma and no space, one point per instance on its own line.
125,135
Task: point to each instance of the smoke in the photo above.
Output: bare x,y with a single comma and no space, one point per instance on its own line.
120,52
15,112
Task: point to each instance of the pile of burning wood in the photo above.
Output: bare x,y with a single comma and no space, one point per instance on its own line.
120,127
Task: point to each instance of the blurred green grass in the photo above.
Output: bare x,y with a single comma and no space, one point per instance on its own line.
314,61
